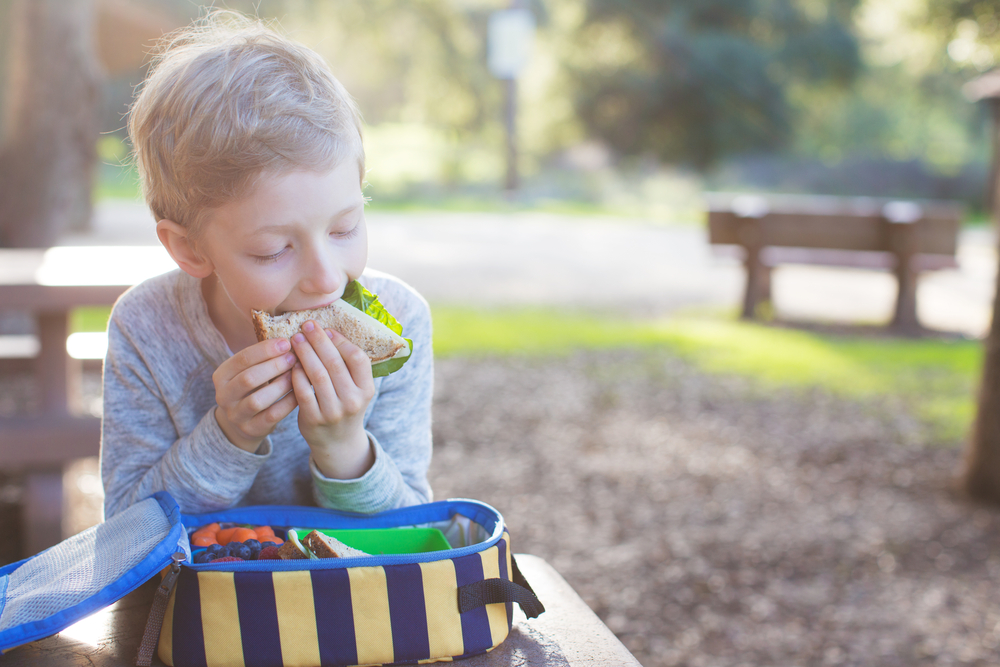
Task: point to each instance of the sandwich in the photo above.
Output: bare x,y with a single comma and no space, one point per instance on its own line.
357,315
322,545
316,545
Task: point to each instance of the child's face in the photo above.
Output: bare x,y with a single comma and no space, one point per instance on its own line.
294,243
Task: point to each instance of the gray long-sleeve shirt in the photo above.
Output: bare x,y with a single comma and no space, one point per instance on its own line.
160,433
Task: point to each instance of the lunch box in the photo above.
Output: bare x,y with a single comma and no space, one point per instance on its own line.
437,600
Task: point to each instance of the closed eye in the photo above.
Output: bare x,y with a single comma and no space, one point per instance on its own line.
267,259
348,234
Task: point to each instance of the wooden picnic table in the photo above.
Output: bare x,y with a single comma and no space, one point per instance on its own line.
49,284
567,634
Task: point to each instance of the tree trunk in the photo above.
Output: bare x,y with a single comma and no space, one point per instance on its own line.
50,122
982,469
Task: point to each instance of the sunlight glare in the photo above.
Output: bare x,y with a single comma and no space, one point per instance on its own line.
102,265
87,345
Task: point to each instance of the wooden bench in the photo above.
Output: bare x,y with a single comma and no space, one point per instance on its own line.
50,284
905,237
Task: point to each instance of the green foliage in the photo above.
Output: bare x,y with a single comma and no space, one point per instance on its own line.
936,377
422,60
706,79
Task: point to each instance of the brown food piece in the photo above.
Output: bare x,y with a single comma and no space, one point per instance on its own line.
324,546
288,551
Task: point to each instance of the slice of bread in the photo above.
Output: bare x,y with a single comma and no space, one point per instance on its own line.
324,546
291,551
377,340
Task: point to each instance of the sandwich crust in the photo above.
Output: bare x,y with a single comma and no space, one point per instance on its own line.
324,546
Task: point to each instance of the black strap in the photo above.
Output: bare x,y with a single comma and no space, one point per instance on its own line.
493,591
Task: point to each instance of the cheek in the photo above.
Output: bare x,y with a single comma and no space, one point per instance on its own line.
253,288
360,259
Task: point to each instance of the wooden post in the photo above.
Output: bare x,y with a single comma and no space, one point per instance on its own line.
903,238
758,286
58,374
902,220
511,180
42,509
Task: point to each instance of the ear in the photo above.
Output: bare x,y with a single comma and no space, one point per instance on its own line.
174,238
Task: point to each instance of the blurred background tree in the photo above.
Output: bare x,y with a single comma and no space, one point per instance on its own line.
635,107
694,81
49,119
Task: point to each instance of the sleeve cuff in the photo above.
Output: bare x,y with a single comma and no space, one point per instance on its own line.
377,490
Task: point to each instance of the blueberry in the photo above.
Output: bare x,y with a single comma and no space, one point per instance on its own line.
253,544
269,543
214,548
240,551
223,551
204,556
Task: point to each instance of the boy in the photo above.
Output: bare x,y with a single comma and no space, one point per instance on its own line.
250,156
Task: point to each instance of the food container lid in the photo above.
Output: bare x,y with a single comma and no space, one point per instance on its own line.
44,594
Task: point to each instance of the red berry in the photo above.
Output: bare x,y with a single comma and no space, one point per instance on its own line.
227,559
268,553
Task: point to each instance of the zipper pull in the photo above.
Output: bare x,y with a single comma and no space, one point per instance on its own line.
151,636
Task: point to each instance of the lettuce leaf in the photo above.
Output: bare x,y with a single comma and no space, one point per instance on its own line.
356,295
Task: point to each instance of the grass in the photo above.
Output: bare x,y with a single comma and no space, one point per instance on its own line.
91,318
936,377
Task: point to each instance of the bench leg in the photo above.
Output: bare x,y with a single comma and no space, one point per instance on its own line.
758,288
59,375
42,509
904,319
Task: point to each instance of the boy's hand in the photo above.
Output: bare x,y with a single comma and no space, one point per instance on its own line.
253,391
333,385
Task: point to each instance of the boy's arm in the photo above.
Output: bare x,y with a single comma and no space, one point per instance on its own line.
141,451
399,430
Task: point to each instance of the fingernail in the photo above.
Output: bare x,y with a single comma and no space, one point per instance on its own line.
308,326
284,345
299,338
290,358
329,332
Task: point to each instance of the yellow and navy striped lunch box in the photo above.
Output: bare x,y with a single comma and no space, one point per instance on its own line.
383,608
449,600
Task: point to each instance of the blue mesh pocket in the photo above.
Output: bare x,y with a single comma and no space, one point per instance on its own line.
44,594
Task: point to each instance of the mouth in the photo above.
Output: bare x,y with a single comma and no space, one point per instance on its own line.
279,312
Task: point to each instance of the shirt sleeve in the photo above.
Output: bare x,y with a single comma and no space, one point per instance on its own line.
399,430
142,451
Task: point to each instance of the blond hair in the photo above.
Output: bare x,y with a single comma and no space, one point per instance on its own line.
227,99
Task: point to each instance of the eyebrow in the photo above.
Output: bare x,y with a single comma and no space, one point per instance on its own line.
273,228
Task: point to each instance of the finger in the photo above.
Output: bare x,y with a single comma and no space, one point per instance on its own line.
262,399
264,421
357,362
251,356
257,376
331,356
313,366
304,393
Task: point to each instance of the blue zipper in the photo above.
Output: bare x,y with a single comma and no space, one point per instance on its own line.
334,563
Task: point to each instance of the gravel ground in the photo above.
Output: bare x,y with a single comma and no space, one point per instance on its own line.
710,522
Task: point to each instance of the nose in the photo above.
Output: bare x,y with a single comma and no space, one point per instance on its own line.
321,273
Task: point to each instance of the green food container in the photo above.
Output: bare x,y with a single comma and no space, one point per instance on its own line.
377,541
